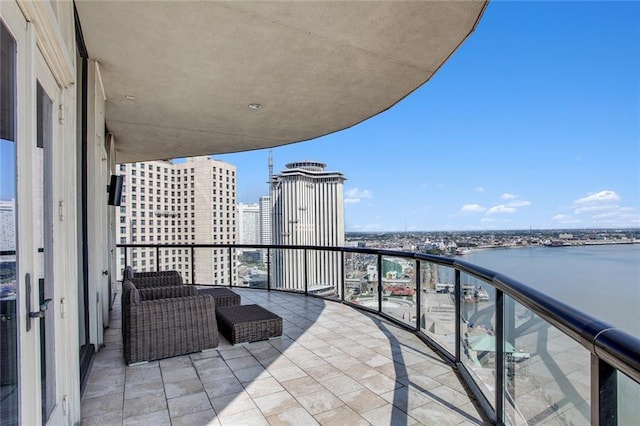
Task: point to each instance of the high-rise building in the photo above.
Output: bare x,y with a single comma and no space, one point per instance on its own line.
308,209
248,223
192,202
265,223
7,225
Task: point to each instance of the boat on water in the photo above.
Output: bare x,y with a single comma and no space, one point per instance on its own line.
556,243
471,293
483,296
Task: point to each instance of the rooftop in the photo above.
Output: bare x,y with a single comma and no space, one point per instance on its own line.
333,365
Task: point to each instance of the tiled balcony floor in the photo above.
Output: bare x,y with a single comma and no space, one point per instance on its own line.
334,365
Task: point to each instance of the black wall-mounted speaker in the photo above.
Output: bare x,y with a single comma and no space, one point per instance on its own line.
115,190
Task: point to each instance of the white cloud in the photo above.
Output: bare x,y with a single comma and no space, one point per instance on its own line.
601,209
511,204
479,189
565,219
500,209
472,208
367,227
609,215
355,195
521,203
598,197
487,220
617,217
595,208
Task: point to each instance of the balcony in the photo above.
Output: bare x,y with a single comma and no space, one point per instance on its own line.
419,334
333,365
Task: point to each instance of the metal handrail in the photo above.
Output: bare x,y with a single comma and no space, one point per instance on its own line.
605,342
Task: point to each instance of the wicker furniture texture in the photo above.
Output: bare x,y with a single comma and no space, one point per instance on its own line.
152,279
222,296
248,323
155,327
158,281
152,293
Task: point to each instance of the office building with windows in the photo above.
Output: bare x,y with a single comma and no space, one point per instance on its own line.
190,202
248,223
7,225
265,223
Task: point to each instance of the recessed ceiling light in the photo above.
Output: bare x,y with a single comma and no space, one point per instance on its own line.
255,106
130,97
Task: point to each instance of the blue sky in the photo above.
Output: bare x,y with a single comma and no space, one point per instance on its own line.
534,122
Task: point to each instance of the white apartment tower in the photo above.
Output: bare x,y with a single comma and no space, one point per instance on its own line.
308,209
192,202
265,224
7,225
248,223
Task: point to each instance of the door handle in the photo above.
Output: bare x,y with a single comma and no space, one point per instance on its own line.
42,311
43,307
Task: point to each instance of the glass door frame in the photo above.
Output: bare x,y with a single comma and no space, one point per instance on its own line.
48,135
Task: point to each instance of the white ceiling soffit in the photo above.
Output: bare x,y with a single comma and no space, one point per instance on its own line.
315,67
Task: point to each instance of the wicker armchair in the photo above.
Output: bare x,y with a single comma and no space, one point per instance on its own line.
155,327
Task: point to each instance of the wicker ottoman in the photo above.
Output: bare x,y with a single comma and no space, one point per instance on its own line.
222,296
247,323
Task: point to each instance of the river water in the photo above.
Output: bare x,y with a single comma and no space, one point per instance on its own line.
603,281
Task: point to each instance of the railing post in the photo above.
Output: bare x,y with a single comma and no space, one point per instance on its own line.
379,283
126,258
306,280
230,268
418,296
604,393
500,358
269,269
342,276
193,265
457,295
158,258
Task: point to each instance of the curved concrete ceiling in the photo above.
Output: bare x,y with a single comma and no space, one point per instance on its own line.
315,67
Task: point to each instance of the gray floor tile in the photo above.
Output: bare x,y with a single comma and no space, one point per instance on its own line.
328,373
206,417
158,418
144,404
261,387
188,404
185,387
341,416
276,403
319,402
295,417
252,417
231,404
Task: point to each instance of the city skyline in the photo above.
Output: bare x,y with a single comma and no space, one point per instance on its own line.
533,123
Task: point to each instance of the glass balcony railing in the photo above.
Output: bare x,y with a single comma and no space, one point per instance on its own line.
527,358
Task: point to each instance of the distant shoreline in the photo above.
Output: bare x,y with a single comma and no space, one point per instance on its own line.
580,243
